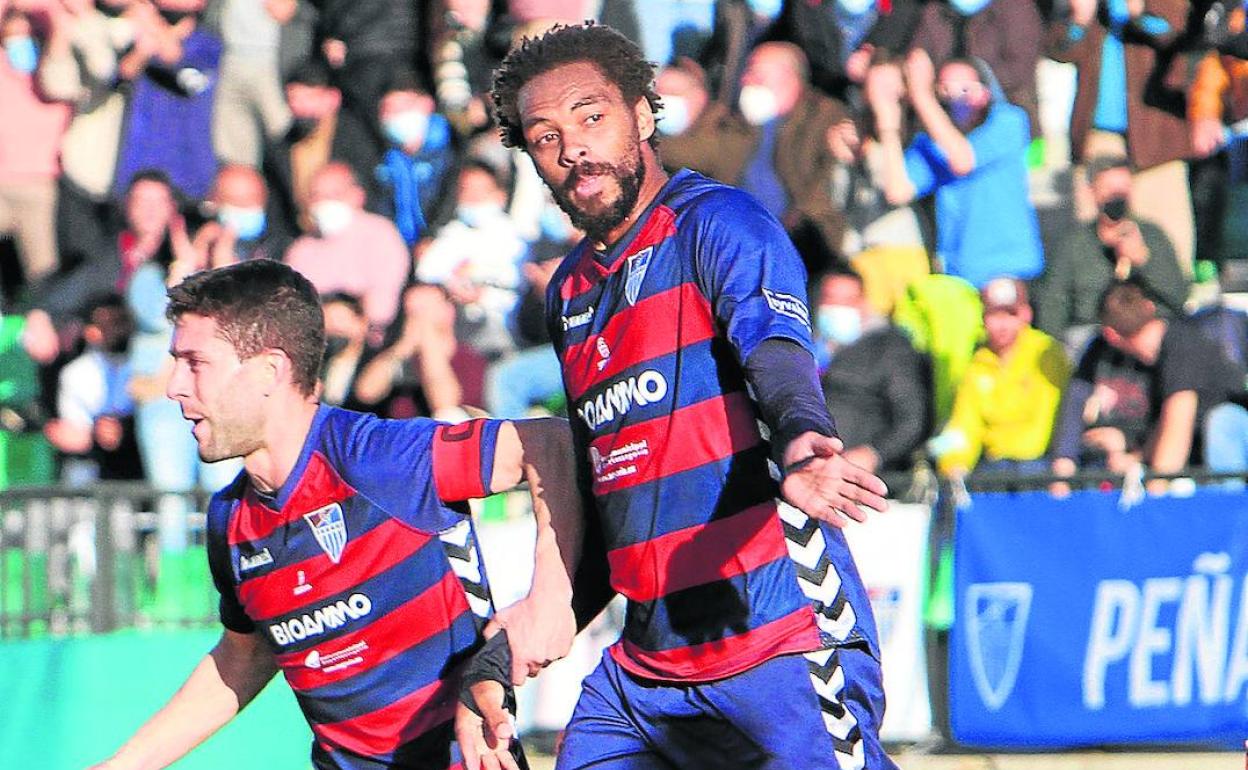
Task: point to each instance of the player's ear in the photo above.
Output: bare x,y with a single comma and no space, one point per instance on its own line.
645,119
277,370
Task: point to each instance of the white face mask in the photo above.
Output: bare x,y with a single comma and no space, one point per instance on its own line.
758,104
407,128
855,7
332,217
675,116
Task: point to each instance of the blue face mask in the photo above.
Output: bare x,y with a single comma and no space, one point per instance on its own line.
476,215
969,7
839,323
961,112
23,53
247,224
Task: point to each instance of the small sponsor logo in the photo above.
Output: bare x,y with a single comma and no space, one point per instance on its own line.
619,397
578,320
788,305
259,559
321,620
329,662
619,462
303,586
638,264
330,529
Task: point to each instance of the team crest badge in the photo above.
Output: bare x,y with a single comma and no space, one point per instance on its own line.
996,629
637,266
330,529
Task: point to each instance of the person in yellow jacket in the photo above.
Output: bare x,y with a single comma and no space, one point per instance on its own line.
1007,400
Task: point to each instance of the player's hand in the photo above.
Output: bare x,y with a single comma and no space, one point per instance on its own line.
822,483
538,632
485,740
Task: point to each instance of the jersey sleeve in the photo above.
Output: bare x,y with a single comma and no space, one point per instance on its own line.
229,609
463,459
750,272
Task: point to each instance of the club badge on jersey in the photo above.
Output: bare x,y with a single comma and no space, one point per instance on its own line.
330,529
637,265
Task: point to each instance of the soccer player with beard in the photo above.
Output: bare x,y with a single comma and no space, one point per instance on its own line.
681,324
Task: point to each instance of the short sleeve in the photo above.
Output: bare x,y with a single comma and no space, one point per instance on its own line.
1192,362
229,609
463,459
750,272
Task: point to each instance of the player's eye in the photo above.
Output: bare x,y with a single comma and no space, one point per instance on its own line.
594,118
546,138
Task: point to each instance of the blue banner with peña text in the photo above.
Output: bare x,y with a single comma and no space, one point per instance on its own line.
1083,623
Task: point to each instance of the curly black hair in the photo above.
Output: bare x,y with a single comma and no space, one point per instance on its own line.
617,57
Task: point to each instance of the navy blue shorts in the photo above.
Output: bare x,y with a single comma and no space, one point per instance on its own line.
796,712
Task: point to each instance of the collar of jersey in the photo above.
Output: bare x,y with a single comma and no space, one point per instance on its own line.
278,501
607,262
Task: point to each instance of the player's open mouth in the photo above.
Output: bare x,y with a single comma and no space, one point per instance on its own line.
589,185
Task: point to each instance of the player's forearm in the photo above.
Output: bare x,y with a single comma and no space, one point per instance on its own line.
225,681
549,468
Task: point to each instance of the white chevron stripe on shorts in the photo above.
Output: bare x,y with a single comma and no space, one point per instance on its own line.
828,678
816,574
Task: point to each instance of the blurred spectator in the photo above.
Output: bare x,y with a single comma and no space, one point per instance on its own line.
168,123
365,42
94,424
416,169
26,458
738,27
154,230
347,351
476,258
30,141
249,109
943,317
530,375
885,241
876,386
839,37
1006,34
673,28
971,154
682,87
417,373
292,161
1007,401
775,147
1130,101
82,66
1144,389
1116,246
240,228
352,250
464,59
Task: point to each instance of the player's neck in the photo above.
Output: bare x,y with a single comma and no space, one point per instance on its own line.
287,429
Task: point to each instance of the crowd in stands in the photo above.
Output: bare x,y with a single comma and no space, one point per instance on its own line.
1019,216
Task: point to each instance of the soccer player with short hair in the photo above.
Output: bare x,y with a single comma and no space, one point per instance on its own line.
681,323
343,553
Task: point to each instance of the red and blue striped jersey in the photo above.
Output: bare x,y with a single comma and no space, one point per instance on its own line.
719,575
363,575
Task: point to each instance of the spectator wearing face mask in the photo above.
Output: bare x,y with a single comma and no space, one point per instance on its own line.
1115,246
773,146
876,386
1007,402
416,169
351,250
240,229
30,138
347,351
1006,34
971,154
291,161
476,258
682,87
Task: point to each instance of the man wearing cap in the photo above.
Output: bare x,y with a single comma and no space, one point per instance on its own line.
1004,410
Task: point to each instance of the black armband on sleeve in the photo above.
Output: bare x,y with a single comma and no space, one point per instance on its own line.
786,386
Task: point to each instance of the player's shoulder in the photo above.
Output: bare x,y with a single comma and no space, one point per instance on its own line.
696,195
349,437
222,503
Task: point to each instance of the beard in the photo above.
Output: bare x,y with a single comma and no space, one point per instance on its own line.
629,177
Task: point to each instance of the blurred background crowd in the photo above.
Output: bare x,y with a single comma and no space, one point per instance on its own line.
1022,219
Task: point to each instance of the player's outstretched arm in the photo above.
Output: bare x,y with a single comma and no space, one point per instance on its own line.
824,485
541,626
225,681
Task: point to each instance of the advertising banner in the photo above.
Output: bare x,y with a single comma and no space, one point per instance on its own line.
1081,622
